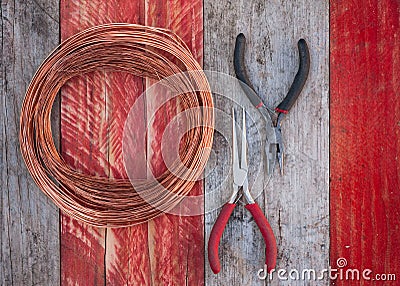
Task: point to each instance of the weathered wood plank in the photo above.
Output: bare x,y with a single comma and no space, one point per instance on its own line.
126,250
176,242
127,254
29,230
365,137
84,145
115,256
297,203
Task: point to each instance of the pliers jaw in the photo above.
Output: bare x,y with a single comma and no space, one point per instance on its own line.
280,148
274,152
274,148
239,164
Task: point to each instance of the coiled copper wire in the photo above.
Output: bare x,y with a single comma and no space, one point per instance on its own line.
140,50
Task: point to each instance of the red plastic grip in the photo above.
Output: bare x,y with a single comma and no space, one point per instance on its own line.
261,104
267,233
215,236
281,110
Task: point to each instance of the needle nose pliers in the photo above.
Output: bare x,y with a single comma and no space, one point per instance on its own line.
240,182
274,148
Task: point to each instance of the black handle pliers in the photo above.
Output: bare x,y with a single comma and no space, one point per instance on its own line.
274,148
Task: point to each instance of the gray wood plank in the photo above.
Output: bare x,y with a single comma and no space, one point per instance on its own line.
296,204
29,230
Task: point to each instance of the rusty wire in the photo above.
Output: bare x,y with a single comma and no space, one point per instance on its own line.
140,50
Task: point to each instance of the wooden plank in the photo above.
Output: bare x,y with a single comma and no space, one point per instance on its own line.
84,134
176,242
84,139
365,136
297,203
127,254
125,251
29,230
115,256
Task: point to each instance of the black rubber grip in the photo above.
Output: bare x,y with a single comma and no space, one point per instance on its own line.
299,80
240,70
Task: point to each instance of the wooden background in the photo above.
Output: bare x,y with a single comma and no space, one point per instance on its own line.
339,196
296,204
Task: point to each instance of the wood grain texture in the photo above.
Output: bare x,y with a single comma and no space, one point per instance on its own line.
296,204
95,107
84,145
365,136
176,242
94,111
127,254
29,223
170,250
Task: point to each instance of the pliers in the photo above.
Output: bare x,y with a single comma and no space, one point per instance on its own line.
274,148
240,183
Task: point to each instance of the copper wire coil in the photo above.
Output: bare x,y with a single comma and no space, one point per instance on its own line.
140,50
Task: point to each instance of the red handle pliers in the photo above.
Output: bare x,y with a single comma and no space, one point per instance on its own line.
240,182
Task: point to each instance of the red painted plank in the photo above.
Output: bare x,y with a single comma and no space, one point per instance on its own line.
82,247
100,112
84,147
127,254
176,242
365,136
94,109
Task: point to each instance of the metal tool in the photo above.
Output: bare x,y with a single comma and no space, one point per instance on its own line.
274,148
240,183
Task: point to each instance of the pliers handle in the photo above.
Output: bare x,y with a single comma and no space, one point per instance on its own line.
263,225
241,189
294,90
